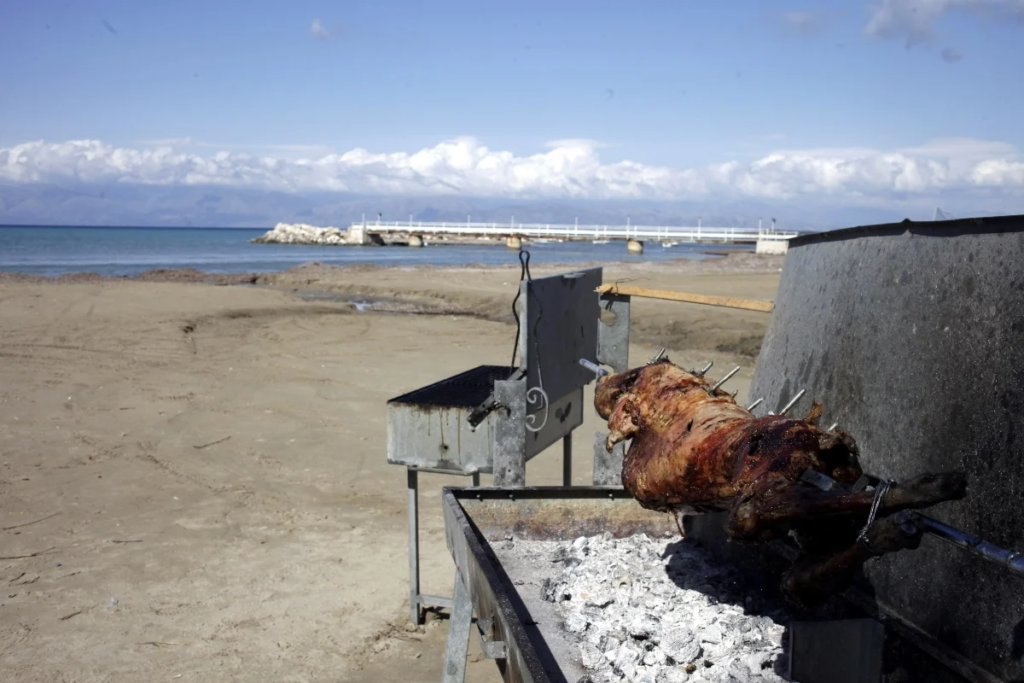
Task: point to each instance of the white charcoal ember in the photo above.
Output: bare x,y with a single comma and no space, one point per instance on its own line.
641,611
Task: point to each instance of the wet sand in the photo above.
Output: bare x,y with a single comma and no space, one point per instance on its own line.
193,476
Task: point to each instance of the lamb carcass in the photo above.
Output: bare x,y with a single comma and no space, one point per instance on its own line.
695,450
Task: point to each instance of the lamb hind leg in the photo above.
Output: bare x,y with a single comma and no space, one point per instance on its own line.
813,579
758,515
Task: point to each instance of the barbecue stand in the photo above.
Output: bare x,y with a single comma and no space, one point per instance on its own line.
518,629
531,649
493,419
522,632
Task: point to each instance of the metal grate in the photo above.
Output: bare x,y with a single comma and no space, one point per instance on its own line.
466,390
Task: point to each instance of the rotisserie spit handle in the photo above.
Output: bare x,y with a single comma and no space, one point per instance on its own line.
598,371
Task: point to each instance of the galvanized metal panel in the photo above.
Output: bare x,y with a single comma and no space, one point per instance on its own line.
912,337
838,651
491,597
559,327
438,438
555,422
613,339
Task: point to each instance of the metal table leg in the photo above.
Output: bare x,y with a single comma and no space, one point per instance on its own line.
458,634
412,483
567,460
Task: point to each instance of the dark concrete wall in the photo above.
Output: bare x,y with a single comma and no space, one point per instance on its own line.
912,338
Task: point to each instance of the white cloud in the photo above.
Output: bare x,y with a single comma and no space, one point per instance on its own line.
913,20
318,30
567,169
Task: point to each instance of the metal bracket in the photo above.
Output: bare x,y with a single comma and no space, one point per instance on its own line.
492,649
480,413
820,481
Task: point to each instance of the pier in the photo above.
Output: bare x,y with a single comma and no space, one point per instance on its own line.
767,240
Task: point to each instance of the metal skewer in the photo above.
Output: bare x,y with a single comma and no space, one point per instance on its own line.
833,427
755,403
723,380
792,402
701,373
657,357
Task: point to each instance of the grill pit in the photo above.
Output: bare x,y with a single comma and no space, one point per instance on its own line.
651,609
465,390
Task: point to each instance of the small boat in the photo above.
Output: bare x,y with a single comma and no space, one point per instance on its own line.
601,241
669,244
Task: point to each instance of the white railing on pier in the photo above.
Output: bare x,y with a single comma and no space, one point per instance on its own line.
578,231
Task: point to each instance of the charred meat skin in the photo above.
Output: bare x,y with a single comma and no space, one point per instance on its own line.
694,450
691,448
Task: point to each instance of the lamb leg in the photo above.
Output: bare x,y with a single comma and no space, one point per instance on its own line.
812,579
756,516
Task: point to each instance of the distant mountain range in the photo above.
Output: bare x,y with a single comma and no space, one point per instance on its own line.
163,206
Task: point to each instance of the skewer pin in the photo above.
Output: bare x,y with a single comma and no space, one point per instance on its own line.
792,401
755,403
657,357
833,427
724,380
701,373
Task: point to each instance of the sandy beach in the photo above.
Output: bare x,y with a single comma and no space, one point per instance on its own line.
193,476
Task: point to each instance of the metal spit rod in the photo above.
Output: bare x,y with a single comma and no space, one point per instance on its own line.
598,371
755,403
1006,558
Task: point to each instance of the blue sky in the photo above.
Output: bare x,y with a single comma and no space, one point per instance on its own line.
681,90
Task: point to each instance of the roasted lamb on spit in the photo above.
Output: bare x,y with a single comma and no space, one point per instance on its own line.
695,450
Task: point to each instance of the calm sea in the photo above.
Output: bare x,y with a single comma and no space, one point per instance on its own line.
129,251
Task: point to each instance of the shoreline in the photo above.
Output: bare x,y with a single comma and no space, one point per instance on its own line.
486,292
719,262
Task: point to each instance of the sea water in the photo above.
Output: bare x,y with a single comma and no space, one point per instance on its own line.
129,251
